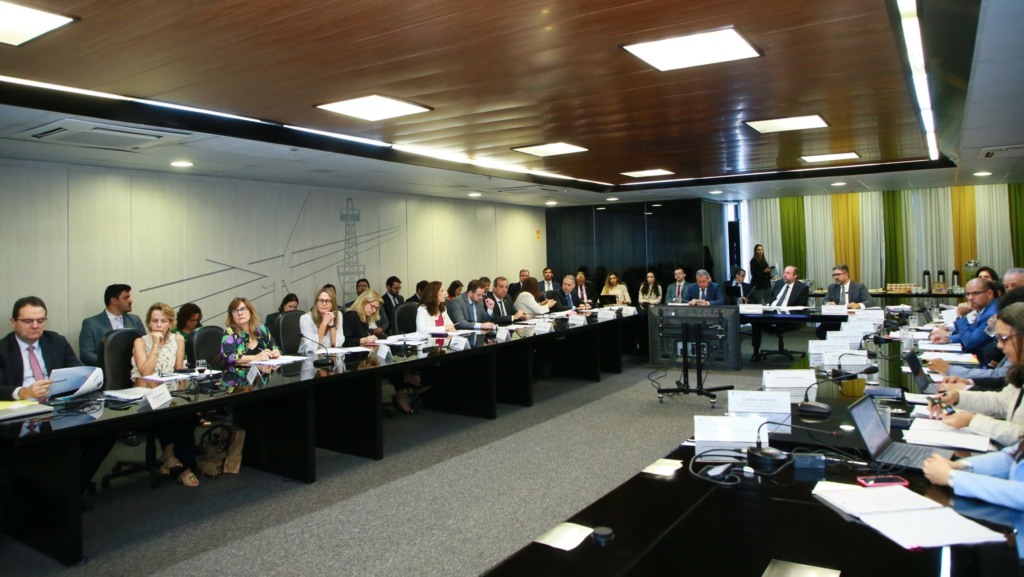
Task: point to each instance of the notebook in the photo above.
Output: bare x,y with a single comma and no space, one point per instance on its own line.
881,446
21,409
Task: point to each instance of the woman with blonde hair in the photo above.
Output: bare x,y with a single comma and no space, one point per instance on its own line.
612,286
359,322
319,327
245,339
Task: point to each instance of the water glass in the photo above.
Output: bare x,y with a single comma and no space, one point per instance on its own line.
914,320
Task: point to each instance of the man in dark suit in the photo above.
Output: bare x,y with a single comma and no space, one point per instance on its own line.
504,310
420,286
27,356
514,288
738,290
392,299
116,315
565,299
675,292
547,284
584,289
786,292
844,292
704,292
468,311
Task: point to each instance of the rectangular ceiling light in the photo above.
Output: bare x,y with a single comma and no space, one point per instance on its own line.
694,50
374,107
791,123
552,149
646,173
19,24
830,157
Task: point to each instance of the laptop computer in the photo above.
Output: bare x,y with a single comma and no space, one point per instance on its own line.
606,300
881,446
924,383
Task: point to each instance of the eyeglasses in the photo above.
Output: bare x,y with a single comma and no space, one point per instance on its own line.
30,322
323,301
835,274
373,306
1004,338
240,310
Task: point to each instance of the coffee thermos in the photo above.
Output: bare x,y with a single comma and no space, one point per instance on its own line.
926,281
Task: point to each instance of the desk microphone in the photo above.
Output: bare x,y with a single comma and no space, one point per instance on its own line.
768,459
819,410
319,363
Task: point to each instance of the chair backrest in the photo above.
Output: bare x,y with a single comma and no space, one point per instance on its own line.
290,335
205,344
273,322
115,358
405,317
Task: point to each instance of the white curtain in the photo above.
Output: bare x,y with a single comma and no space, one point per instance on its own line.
991,203
766,229
820,251
872,240
716,238
928,222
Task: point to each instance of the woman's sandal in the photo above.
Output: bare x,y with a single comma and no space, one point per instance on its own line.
170,465
188,479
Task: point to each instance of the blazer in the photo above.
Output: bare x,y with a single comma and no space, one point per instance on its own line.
591,295
93,329
413,299
458,310
561,303
510,309
669,296
797,298
858,294
514,289
389,309
745,288
972,336
555,285
715,295
57,354
353,329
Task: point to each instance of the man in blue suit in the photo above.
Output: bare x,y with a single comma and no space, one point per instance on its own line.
704,293
118,298
565,299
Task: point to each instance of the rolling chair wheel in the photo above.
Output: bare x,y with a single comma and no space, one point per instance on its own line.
661,398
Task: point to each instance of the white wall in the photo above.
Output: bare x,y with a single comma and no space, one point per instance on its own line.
69,231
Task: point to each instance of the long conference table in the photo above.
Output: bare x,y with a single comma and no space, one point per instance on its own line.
684,525
290,411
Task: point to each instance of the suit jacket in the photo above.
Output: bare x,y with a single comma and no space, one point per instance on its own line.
745,288
389,308
713,294
513,290
353,329
510,309
57,354
591,295
858,294
458,310
670,292
555,285
560,302
93,329
797,298
413,299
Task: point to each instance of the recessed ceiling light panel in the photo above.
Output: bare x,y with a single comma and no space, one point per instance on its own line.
182,164
694,50
551,149
838,184
374,107
784,124
646,173
551,202
716,192
983,173
19,24
474,195
830,157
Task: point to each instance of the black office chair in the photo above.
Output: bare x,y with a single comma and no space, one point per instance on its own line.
115,359
205,345
780,329
291,336
273,322
405,317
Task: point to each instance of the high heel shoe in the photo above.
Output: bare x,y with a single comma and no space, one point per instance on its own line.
401,403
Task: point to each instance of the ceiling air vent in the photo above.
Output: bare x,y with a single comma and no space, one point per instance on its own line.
1011,151
74,132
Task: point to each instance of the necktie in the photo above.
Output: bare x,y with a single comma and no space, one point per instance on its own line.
33,363
783,297
472,311
501,307
583,292
842,295
702,295
568,299
679,291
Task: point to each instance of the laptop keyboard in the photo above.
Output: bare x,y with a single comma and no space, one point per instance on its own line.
907,455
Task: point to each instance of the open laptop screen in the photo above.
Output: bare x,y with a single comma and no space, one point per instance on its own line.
870,425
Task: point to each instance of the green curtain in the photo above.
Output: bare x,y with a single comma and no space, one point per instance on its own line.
794,233
1016,195
892,215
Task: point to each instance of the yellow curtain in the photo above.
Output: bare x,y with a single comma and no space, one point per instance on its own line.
965,226
846,231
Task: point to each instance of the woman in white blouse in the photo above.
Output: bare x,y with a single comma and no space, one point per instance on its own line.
321,325
650,291
430,315
612,287
528,299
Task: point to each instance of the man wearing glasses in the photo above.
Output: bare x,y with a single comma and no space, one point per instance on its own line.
981,299
843,291
30,353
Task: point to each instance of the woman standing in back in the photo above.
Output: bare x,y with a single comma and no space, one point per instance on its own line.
760,275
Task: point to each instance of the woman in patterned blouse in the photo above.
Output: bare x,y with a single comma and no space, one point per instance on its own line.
245,339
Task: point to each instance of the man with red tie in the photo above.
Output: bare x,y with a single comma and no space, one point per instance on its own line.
676,292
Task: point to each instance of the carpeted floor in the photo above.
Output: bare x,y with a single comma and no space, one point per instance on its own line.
453,495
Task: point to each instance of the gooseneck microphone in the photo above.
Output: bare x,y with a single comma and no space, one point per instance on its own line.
768,459
320,363
819,410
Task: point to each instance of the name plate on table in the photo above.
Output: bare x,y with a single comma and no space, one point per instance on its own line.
542,328
605,315
751,309
768,405
851,360
835,310
628,311
457,343
383,352
577,321
875,315
796,382
503,335
858,326
852,340
724,435
158,397
816,350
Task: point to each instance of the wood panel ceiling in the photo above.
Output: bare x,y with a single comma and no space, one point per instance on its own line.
498,75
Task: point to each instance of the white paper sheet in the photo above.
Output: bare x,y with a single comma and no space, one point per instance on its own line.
930,528
565,536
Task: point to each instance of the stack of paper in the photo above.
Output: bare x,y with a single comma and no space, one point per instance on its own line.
959,358
792,381
935,433
944,347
